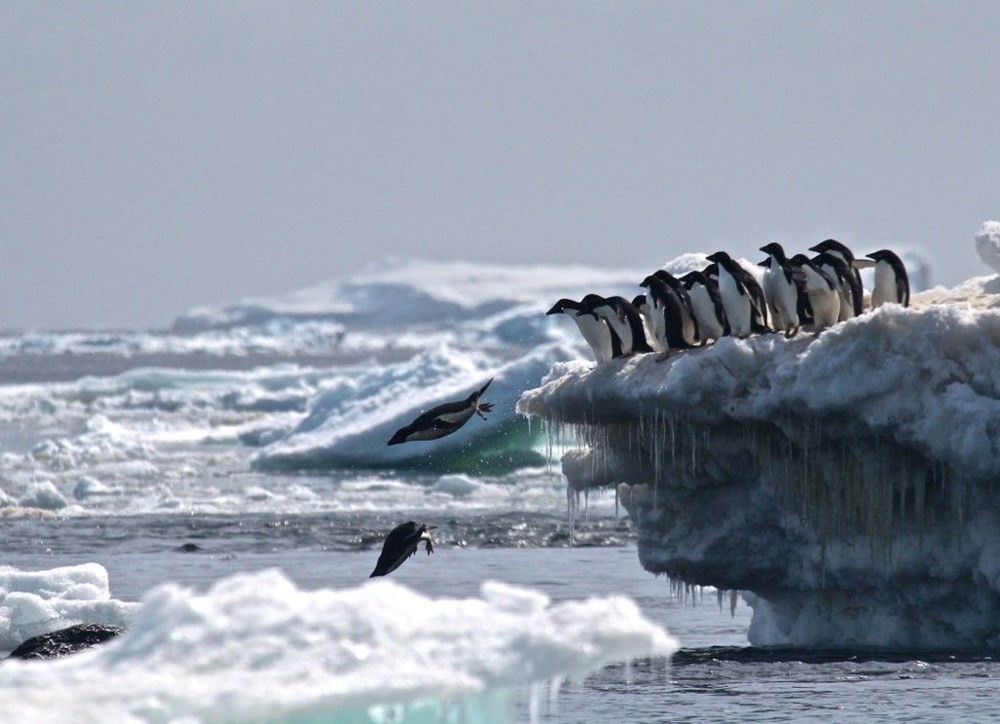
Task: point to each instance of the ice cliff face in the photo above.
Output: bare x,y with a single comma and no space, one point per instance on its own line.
847,482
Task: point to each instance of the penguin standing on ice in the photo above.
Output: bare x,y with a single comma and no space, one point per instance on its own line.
824,298
706,305
892,285
689,324
742,297
665,310
857,292
444,419
602,339
641,303
781,290
401,543
625,321
843,277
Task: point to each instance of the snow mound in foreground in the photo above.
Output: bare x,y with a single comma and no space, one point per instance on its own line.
256,647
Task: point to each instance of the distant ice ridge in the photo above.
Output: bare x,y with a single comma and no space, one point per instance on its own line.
848,482
37,602
255,648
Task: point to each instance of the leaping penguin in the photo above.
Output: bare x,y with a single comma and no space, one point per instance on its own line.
781,290
706,305
443,419
625,321
401,543
834,247
892,285
741,296
602,339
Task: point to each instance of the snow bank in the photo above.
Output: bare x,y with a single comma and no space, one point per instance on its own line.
36,602
254,647
845,480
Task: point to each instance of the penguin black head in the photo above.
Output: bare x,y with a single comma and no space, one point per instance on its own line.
562,305
719,256
774,249
832,245
886,255
640,301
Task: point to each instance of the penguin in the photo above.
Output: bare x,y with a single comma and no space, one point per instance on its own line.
843,276
892,285
781,290
689,325
641,303
625,321
824,299
706,305
665,309
602,339
401,543
834,247
741,295
443,419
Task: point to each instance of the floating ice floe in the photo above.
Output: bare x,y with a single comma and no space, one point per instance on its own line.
255,647
37,602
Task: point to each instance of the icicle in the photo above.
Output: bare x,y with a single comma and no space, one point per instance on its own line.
586,505
616,502
719,593
555,684
732,602
534,703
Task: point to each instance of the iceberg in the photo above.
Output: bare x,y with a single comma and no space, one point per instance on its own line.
254,647
845,482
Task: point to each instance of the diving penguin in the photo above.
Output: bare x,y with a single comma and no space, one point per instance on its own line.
401,543
892,285
443,419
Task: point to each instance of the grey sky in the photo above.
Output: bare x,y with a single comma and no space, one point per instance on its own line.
158,156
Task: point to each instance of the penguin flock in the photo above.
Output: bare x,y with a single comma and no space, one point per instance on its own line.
725,299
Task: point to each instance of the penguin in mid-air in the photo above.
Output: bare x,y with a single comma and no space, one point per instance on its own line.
401,543
824,297
444,419
837,249
603,341
742,297
706,305
892,285
625,321
781,288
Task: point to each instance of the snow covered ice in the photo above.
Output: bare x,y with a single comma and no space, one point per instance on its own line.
255,647
847,482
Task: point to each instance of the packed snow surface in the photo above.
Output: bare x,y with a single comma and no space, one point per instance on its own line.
255,647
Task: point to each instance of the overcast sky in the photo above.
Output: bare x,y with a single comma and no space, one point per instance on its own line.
156,156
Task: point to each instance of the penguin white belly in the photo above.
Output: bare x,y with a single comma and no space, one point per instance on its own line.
597,334
737,305
825,301
782,300
885,285
689,327
460,417
620,327
704,312
647,322
659,324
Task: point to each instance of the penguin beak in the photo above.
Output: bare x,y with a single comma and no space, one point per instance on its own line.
765,263
483,388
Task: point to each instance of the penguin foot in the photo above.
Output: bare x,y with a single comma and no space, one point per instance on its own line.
483,407
662,356
789,333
